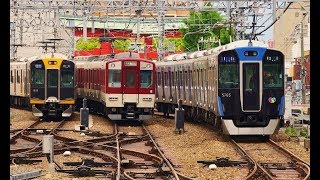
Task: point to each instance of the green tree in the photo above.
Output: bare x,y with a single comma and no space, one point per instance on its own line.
202,24
121,44
178,43
89,44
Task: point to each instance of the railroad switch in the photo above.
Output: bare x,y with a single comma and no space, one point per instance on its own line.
222,162
127,162
83,171
150,176
153,150
279,166
95,134
164,170
89,162
24,160
149,143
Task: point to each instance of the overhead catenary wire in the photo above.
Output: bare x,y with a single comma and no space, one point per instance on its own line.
274,20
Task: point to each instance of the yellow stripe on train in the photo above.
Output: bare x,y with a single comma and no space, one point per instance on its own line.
71,101
52,63
37,101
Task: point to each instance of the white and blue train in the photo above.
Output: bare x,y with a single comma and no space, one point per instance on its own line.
239,87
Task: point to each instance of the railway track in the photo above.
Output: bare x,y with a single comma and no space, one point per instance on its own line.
30,138
130,153
289,166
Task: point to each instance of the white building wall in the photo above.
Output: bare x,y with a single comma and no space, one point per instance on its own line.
296,48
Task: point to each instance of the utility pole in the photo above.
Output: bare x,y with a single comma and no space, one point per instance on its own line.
161,30
138,13
302,72
13,38
85,20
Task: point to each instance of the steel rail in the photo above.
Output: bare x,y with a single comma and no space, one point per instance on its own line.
18,134
253,162
162,155
51,132
305,165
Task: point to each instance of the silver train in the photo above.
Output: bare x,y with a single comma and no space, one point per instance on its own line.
237,87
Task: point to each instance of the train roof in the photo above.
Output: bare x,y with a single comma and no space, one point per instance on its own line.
92,58
41,56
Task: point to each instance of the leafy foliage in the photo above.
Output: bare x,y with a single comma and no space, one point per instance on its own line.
201,24
178,43
121,44
304,132
290,131
89,44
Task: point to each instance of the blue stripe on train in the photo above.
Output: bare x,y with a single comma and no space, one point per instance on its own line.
281,106
260,50
220,106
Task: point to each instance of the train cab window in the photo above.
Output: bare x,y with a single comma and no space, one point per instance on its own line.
11,76
37,76
145,78
114,78
228,76
18,77
273,75
66,79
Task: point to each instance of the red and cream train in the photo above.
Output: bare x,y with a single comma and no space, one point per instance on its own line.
121,88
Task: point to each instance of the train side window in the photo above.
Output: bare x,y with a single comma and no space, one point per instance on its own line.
180,78
162,79
186,78
177,79
18,77
190,79
98,77
169,79
90,78
172,78
114,78
159,79
165,79
11,76
145,78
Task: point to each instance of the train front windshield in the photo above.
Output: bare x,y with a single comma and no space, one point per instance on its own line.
228,70
273,69
37,81
145,78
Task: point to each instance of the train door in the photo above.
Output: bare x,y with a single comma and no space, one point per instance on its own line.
52,83
251,86
131,80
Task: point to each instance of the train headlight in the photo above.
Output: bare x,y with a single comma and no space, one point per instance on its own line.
113,109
